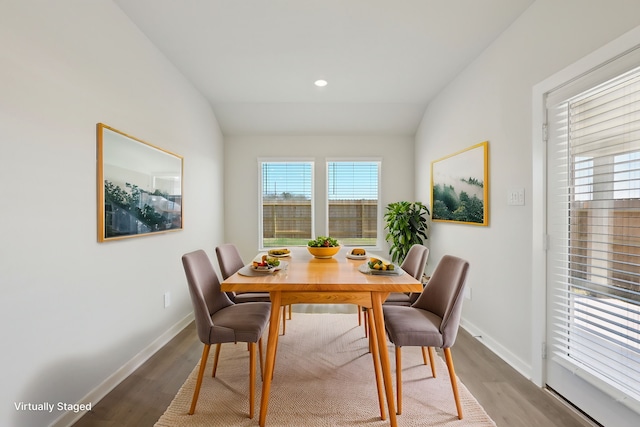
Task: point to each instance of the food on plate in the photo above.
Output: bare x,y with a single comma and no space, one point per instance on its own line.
358,251
378,264
279,252
266,262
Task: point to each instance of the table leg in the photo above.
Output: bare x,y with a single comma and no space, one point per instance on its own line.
272,343
375,353
378,318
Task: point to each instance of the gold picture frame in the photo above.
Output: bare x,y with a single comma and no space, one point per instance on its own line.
139,186
460,186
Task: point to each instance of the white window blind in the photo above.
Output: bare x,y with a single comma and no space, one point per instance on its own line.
352,199
286,202
596,208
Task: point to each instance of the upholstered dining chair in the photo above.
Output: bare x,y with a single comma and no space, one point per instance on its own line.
219,320
413,264
432,321
230,261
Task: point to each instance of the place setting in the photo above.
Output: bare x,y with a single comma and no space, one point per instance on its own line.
357,254
279,253
380,267
264,264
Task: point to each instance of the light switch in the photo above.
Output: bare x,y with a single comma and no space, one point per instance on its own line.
515,197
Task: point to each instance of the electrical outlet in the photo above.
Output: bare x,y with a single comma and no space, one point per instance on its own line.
167,299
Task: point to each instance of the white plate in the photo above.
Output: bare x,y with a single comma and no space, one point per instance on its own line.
364,268
248,270
351,256
263,269
280,256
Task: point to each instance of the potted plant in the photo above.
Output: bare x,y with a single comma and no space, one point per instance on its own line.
406,225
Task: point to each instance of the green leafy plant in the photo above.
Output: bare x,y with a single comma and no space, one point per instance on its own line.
130,201
406,225
323,241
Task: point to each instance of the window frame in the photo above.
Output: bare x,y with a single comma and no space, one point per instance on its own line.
380,214
264,160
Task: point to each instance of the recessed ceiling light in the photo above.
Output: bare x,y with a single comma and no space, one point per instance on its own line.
320,83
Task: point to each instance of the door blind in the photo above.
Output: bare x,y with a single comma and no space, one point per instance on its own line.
595,274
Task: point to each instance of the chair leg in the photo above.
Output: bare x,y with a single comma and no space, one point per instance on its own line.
424,355
290,311
260,350
252,377
399,379
454,383
215,360
432,360
359,315
196,392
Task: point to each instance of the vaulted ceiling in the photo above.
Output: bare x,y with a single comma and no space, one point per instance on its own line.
256,60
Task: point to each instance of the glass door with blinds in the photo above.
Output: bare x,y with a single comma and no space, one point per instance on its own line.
593,257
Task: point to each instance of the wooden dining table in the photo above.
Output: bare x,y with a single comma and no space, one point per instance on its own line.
336,280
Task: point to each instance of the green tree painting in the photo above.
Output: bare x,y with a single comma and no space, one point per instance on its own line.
459,186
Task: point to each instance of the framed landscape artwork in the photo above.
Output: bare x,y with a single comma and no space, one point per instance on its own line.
459,186
139,187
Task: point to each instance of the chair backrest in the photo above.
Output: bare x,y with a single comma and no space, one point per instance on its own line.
444,294
204,288
229,259
415,261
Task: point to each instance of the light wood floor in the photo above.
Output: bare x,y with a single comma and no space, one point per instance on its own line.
510,399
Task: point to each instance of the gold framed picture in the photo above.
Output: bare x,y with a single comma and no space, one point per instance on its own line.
139,187
460,186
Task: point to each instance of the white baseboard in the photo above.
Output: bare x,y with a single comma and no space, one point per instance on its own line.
95,395
514,361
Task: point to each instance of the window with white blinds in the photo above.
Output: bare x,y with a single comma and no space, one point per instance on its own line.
352,200
286,203
595,205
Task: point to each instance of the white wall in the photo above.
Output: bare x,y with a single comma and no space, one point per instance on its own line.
491,100
241,180
73,311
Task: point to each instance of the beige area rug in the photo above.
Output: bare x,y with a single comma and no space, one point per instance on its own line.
323,377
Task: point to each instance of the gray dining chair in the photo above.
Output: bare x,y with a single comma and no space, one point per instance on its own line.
414,264
230,261
432,321
219,320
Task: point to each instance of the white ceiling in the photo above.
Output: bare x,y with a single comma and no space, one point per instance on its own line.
256,60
